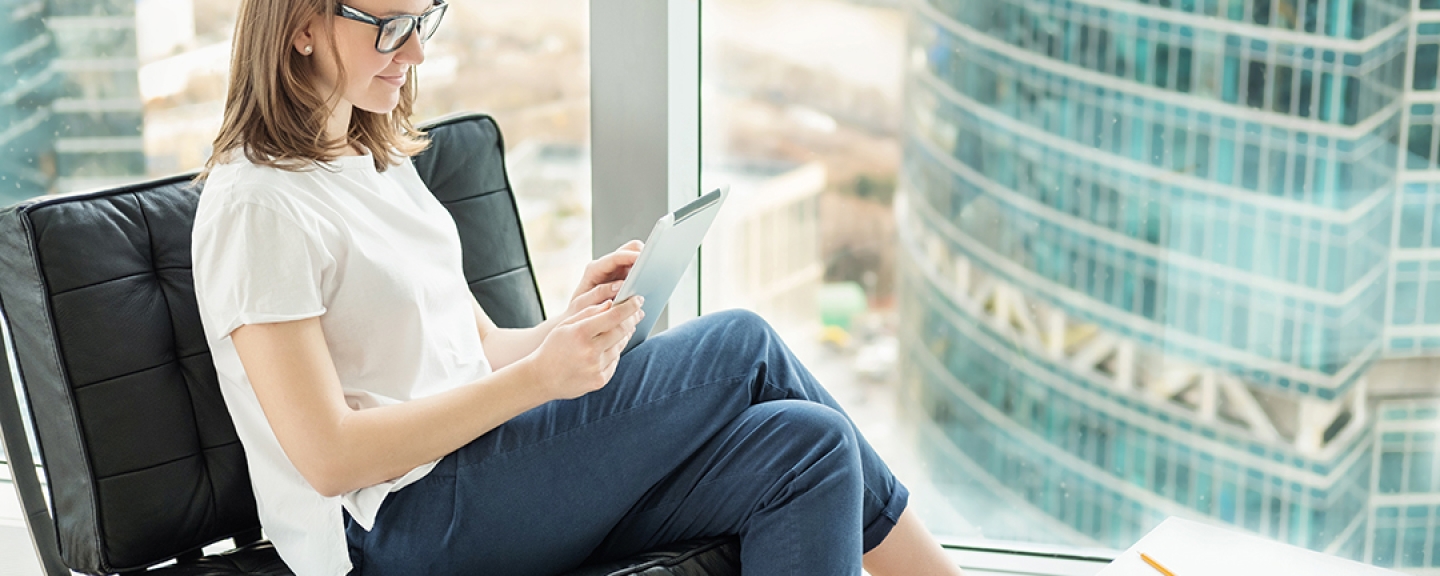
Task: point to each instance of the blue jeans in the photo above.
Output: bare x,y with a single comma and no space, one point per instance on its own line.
709,429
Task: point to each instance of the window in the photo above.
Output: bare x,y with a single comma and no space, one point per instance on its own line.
1118,258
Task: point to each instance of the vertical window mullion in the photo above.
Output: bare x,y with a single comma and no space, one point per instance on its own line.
644,57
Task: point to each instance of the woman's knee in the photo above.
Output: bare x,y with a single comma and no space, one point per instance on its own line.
805,425
742,336
742,321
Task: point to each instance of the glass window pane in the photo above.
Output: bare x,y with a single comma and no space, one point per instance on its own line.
1420,148
1412,224
1432,302
934,203
1427,61
1118,203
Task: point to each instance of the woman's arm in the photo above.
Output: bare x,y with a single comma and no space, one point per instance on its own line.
601,281
338,449
505,346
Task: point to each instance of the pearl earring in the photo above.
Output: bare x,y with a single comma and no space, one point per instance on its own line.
307,50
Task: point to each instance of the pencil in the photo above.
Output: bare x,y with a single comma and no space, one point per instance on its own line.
1155,565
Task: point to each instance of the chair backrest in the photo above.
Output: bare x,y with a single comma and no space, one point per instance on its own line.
142,458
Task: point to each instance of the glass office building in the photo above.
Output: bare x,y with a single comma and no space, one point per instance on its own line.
1153,250
28,83
1405,497
70,109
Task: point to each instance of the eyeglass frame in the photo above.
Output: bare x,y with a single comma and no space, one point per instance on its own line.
357,15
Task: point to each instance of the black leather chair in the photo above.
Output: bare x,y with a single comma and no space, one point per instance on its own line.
141,456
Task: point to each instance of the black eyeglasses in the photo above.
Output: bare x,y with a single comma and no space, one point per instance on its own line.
395,30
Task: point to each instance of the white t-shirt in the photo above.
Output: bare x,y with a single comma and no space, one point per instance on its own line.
377,258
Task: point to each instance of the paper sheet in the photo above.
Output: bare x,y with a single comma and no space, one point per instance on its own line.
1189,548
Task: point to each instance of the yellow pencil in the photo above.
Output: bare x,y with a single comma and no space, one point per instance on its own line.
1155,565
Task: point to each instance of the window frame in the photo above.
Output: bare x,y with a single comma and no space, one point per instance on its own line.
644,126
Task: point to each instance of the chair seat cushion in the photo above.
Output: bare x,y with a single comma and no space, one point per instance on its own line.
716,557
713,557
258,559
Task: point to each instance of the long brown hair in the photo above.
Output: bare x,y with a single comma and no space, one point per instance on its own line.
273,111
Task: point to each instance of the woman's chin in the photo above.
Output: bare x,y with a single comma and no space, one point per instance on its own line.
379,104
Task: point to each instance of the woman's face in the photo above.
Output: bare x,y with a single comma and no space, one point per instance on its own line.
372,80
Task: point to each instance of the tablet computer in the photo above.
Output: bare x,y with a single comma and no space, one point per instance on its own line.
667,253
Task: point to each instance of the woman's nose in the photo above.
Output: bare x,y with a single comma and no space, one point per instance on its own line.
412,51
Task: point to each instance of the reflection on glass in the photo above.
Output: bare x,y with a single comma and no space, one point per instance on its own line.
1157,264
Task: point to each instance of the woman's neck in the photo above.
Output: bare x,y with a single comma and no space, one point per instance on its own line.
337,129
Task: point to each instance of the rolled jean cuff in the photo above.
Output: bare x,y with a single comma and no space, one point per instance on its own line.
876,531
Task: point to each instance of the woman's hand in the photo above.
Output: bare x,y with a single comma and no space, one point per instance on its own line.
603,277
579,356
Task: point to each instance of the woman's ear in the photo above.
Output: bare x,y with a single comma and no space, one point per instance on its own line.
306,37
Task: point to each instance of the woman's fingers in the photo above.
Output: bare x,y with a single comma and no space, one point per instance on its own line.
610,360
612,267
618,339
611,318
597,295
587,313
615,265
621,333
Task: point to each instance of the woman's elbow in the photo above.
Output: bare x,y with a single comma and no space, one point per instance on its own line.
327,489
327,478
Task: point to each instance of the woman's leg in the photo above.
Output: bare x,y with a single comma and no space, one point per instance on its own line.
542,492
745,342
784,476
909,550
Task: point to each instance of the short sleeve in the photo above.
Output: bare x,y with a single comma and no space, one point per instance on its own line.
253,265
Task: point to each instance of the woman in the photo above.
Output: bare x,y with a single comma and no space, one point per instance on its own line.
392,428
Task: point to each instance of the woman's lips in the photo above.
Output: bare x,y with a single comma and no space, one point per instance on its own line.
396,80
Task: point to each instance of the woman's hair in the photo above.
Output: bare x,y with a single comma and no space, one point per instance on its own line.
273,111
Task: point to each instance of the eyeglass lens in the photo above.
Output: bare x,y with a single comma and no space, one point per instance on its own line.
395,32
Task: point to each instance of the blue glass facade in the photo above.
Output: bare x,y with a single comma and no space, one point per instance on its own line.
98,112
70,109
1413,324
28,84
1405,506
1108,464
1233,201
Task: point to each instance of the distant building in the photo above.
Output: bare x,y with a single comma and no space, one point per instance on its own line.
766,241
98,114
1405,490
1153,252
29,83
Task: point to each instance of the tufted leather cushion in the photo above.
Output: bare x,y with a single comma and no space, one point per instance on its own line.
257,559
465,169
132,429
696,558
